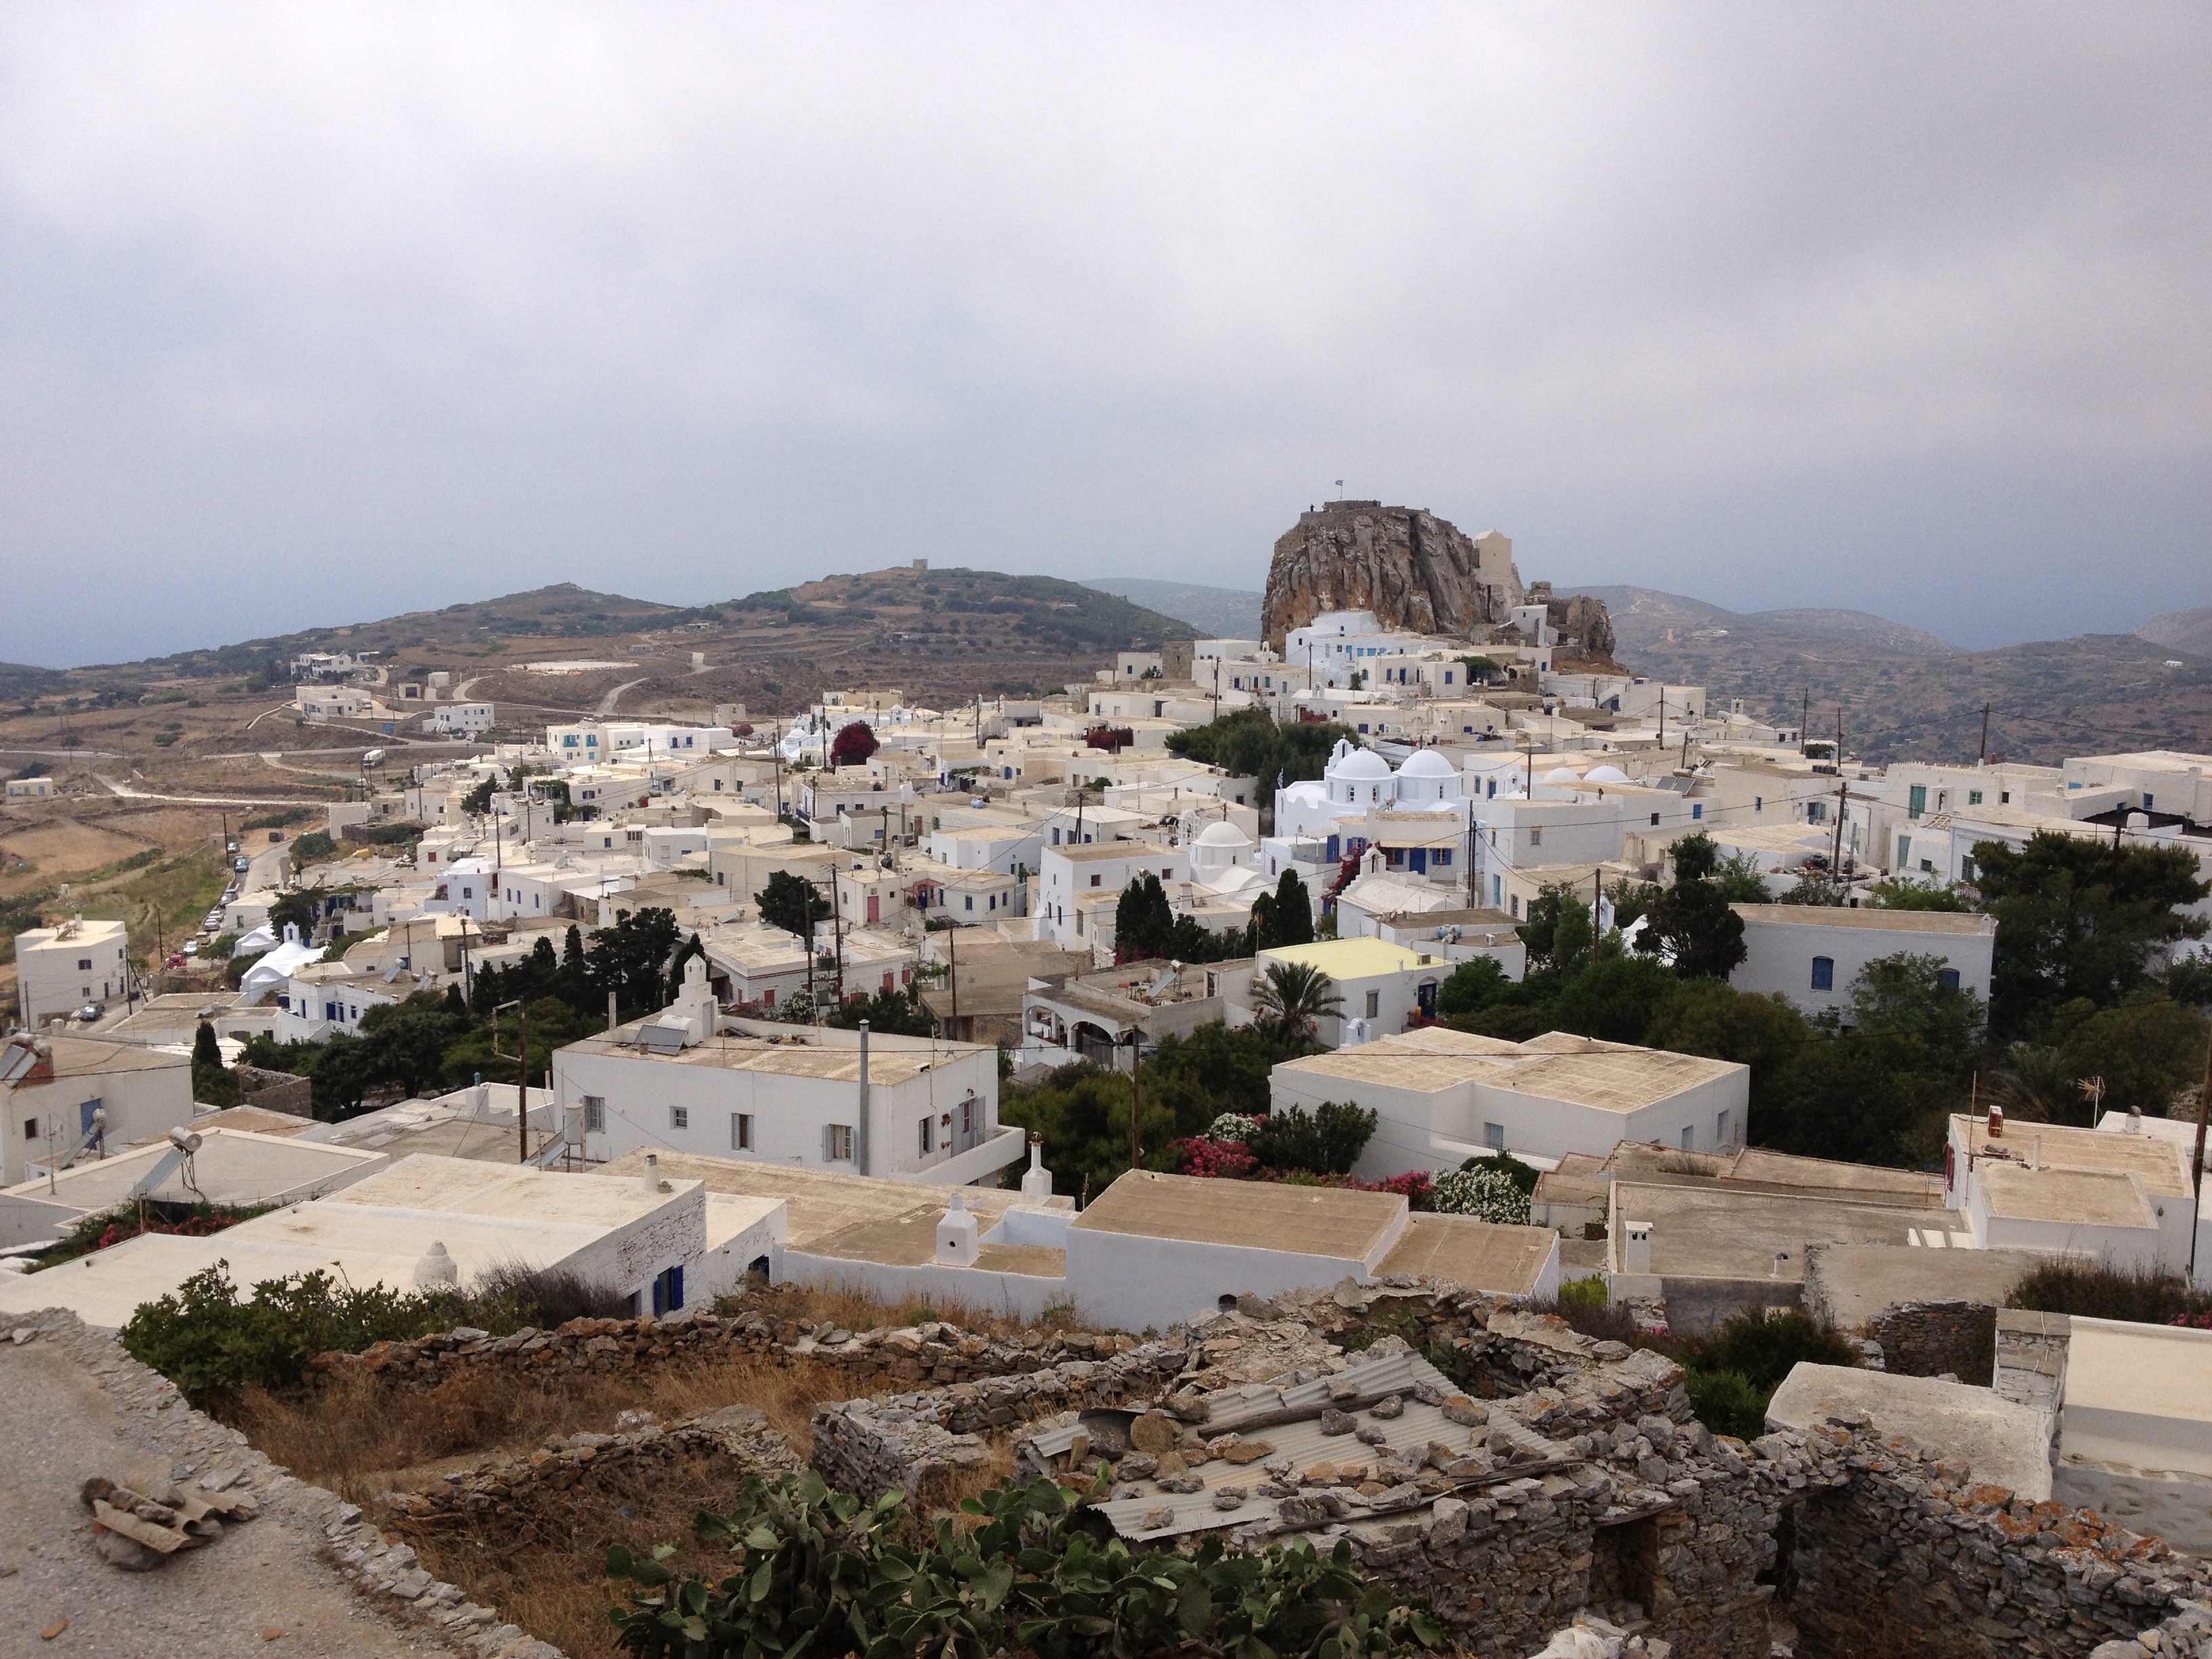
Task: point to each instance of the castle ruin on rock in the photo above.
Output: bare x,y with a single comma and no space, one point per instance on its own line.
1416,572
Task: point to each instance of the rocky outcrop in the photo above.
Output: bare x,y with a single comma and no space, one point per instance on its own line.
1415,572
1580,621
1412,570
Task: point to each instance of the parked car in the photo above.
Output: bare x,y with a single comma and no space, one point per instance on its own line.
191,947
89,1012
275,835
234,847
239,865
176,959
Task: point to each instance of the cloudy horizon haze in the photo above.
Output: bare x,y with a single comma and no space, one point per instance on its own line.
314,315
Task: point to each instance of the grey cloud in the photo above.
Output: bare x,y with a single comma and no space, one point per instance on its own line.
1891,307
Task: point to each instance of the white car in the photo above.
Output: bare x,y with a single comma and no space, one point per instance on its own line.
191,947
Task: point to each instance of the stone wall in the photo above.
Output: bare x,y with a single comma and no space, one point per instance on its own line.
1913,1556
756,1329
274,1091
1929,1338
492,1500
914,1440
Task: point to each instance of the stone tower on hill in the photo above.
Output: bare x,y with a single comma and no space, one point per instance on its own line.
1412,570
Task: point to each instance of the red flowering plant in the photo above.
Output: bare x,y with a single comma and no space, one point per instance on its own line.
1219,1160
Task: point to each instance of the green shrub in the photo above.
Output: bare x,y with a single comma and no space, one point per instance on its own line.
315,844
1762,1345
1326,1141
1727,1403
2100,1292
817,1569
212,1345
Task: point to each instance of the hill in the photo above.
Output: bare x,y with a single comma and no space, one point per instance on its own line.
2183,630
1645,616
1223,613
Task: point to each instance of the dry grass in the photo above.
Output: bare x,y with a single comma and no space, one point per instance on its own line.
856,1310
549,1574
359,1438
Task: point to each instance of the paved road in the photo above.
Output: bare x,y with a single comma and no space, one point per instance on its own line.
131,792
66,1425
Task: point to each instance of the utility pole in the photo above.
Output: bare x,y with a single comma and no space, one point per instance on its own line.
1986,734
1136,1098
2196,1166
837,934
1804,721
1843,800
521,1071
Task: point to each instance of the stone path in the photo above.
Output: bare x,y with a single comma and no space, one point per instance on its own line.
78,1407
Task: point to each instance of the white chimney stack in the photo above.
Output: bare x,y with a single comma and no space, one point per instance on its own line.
652,1173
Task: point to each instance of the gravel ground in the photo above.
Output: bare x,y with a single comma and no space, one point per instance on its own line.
78,1407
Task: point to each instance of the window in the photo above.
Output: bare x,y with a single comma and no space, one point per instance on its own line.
1094,881
741,1132
1948,978
595,1114
1759,802
1494,1136
1904,852
1698,810
84,964
838,1143
1720,1130
1824,973
679,1117
928,1136
1689,1138
1916,800
668,1291
1514,904
1655,820
1973,798
1536,836
969,902
30,1129
1374,1004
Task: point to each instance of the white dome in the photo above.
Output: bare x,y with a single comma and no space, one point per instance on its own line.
1563,774
1223,834
1427,763
1605,775
1361,764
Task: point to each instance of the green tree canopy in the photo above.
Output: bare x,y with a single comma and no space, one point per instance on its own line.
2079,918
792,902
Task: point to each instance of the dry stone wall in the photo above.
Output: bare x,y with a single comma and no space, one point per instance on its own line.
1934,1338
935,1352
914,1440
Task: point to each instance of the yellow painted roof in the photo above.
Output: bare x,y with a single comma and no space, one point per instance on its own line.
1350,959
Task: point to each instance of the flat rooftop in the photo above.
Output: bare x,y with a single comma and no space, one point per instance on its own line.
2001,1441
1479,1255
797,1057
1558,1066
2138,1395
1890,921
1849,1283
232,1167
2163,1163
1325,1221
2084,1198
822,1203
1712,1230
1354,958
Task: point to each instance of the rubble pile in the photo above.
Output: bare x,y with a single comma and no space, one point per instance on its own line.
138,1531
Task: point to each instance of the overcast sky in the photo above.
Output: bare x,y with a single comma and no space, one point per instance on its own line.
311,314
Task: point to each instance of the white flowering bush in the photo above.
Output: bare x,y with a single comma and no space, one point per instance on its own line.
1233,1126
1485,1192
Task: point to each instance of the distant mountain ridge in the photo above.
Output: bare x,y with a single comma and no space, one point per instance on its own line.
1218,613
2181,630
1643,617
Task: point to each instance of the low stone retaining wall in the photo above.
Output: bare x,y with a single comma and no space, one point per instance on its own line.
483,1499
1929,1339
914,1440
934,1353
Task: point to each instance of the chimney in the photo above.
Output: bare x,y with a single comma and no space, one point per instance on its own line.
957,1235
2035,1153
651,1177
1636,1252
1996,1121
1036,1180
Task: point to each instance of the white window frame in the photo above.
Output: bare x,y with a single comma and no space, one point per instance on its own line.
679,1117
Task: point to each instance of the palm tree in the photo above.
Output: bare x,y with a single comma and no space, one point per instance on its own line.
1294,997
